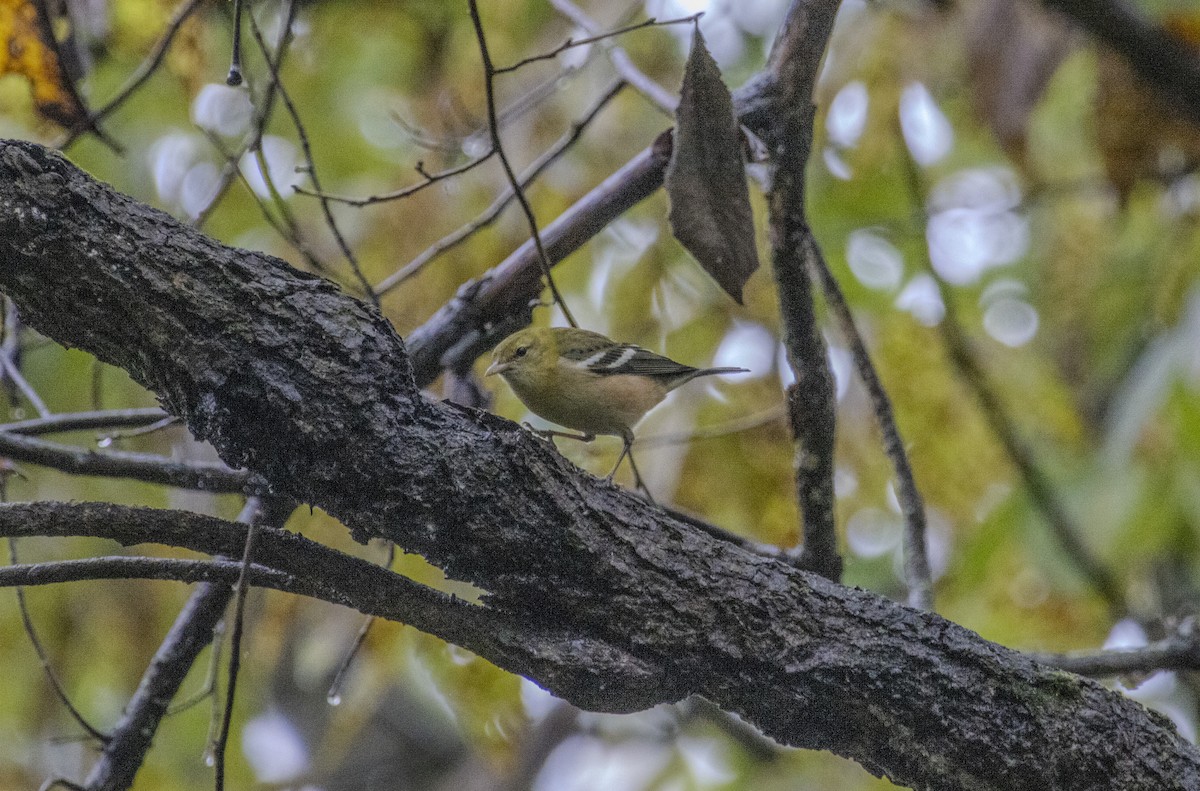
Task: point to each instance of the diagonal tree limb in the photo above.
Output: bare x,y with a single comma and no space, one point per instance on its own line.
602,599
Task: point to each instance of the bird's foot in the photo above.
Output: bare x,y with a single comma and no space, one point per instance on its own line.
549,434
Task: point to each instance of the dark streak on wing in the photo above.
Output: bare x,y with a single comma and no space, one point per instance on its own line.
644,363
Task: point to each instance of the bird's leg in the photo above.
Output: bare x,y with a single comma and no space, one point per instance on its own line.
637,476
550,434
625,451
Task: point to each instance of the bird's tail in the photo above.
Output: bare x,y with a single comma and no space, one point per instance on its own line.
712,371
690,375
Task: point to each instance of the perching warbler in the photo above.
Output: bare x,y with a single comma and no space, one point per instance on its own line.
587,382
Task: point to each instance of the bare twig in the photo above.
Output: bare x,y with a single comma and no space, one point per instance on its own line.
812,409
209,687
285,224
143,72
263,112
334,695
235,655
658,95
117,567
489,72
13,373
235,58
428,179
1180,651
60,690
10,351
548,157
916,559
310,163
206,476
1041,490
573,42
83,421
489,308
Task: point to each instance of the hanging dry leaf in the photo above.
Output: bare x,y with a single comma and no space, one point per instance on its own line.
1013,49
27,48
706,180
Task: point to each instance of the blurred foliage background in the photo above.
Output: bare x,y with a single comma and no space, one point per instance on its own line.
983,164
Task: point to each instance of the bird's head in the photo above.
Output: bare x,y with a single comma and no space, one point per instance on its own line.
522,355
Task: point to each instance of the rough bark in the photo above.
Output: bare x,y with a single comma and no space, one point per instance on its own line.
312,391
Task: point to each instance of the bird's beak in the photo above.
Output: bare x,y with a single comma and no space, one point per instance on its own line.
496,368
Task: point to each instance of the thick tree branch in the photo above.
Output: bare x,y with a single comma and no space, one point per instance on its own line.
627,606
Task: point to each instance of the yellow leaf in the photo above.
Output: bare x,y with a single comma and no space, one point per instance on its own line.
29,51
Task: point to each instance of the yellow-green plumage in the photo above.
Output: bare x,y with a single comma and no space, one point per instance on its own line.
587,382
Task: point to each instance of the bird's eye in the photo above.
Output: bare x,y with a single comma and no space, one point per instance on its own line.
520,352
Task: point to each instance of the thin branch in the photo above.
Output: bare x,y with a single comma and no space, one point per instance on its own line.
658,95
235,58
489,73
286,561
917,575
429,179
334,695
13,374
209,687
10,350
84,421
1178,652
548,157
573,42
235,655
1037,482
202,475
60,690
285,224
310,162
811,399
124,567
264,110
487,309
143,72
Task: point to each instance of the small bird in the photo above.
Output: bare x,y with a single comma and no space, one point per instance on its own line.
587,382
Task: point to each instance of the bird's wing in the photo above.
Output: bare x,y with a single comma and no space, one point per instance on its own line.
626,358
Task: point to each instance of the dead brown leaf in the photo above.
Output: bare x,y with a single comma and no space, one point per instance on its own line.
706,180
